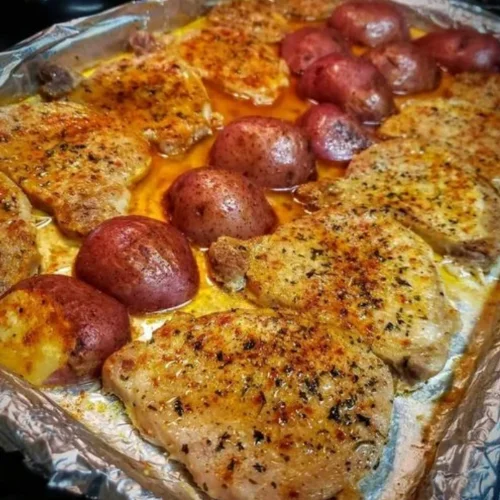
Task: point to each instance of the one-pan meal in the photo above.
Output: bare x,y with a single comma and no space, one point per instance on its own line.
294,195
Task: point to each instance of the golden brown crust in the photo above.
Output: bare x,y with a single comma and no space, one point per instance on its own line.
236,63
270,405
355,266
19,257
154,95
71,161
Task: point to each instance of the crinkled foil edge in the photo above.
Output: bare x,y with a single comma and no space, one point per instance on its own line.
55,444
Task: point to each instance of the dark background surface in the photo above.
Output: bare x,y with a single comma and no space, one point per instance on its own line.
19,20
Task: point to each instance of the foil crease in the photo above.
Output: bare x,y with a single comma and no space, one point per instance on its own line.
80,437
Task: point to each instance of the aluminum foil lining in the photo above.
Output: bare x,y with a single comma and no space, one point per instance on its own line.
100,454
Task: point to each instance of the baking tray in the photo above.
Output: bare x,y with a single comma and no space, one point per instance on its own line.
99,453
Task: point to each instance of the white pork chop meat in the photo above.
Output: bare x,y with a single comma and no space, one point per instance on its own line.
469,130
71,161
158,96
19,257
429,189
258,405
353,266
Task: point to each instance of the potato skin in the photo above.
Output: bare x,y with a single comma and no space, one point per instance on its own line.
460,50
406,68
144,263
334,135
306,45
206,203
272,153
355,85
99,324
370,23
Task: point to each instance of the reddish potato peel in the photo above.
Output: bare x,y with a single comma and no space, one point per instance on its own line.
272,153
144,263
206,203
370,23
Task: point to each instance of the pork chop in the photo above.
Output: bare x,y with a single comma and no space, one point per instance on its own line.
471,131
256,18
429,189
480,89
19,257
307,10
235,63
71,161
353,266
271,406
160,97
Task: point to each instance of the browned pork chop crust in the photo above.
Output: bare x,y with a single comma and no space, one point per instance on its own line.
258,405
429,189
19,257
353,266
71,161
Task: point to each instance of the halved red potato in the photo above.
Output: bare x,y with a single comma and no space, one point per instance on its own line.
460,50
206,203
334,134
306,45
406,68
144,263
56,330
272,153
370,23
354,84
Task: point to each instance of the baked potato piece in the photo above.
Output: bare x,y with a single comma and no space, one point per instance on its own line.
144,263
273,153
460,50
333,134
370,23
56,330
407,68
355,85
206,203
306,45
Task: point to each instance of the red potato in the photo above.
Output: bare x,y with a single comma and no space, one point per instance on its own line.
144,263
355,85
334,135
370,23
461,50
57,330
305,46
206,203
273,153
406,68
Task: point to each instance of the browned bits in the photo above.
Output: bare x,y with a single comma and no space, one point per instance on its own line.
207,203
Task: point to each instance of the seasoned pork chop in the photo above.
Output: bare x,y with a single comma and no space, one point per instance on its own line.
471,131
480,89
256,18
357,267
258,405
162,98
429,189
71,161
309,10
236,63
19,257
